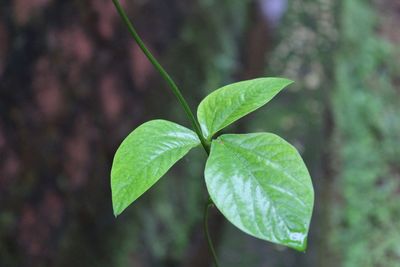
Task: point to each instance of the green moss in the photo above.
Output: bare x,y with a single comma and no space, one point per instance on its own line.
367,220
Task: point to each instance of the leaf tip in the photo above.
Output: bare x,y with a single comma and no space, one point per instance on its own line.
116,212
288,81
301,247
117,209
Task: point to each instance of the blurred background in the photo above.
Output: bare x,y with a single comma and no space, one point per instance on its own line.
73,84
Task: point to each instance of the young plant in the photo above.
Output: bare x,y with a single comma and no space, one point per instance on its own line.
258,181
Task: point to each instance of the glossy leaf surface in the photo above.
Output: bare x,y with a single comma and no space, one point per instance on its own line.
146,155
261,184
230,103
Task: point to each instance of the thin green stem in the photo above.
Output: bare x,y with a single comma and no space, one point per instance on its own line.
182,101
207,232
165,75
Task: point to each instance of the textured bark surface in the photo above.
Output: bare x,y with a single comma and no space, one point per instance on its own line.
72,85
69,94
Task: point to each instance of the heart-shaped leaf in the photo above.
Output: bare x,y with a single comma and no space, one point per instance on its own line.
232,102
261,184
146,155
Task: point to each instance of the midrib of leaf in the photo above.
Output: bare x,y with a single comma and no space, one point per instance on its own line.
252,175
261,157
225,118
148,162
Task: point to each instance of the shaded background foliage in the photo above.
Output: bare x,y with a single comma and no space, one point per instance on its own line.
73,84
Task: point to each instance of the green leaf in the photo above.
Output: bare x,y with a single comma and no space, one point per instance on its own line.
232,102
261,185
146,155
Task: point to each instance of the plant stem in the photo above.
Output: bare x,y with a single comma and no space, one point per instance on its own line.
207,232
184,104
165,75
